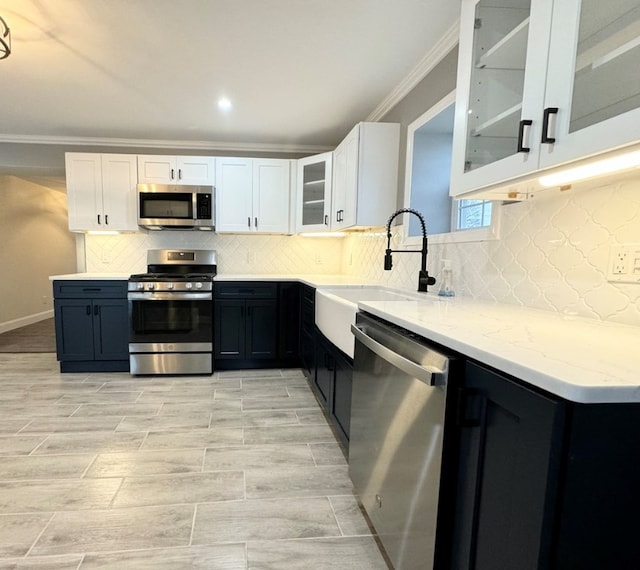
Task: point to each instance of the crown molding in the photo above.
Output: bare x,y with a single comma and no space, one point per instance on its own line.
165,144
434,56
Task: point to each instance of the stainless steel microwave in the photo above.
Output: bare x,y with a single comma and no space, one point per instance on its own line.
176,207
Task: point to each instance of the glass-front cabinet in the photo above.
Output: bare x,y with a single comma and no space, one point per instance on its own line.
593,78
542,83
314,193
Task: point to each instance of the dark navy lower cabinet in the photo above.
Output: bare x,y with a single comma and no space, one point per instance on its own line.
92,326
331,382
539,482
245,333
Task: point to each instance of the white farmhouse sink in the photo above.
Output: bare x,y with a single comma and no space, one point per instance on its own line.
336,310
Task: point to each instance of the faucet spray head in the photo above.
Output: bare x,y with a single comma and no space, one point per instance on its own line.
388,264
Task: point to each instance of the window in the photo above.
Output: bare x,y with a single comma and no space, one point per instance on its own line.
429,144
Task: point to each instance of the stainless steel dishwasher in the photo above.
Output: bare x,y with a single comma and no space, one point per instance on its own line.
396,445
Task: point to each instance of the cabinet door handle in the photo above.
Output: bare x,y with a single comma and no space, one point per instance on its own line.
173,174
106,219
524,123
88,310
248,221
546,139
256,222
326,220
96,310
98,219
179,173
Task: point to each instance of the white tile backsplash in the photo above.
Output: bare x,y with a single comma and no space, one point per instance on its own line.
553,254
236,253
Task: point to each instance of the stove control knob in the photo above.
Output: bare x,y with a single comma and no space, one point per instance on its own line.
169,286
198,285
139,285
151,286
189,285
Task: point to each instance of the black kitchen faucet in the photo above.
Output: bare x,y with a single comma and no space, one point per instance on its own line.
423,276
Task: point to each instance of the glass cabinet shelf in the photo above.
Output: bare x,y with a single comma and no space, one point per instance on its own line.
501,125
510,52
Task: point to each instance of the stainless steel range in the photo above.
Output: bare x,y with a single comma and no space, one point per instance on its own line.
171,313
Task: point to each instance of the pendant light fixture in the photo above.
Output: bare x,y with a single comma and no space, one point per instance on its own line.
5,40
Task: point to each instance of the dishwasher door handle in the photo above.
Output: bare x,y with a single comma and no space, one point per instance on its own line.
430,375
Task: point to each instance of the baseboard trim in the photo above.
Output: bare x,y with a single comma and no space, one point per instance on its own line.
24,321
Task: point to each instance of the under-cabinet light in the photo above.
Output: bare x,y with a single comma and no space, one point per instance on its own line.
102,233
323,234
593,169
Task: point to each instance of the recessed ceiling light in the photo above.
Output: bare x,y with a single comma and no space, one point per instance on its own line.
224,104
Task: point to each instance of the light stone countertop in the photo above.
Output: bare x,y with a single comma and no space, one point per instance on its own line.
582,360
312,280
90,277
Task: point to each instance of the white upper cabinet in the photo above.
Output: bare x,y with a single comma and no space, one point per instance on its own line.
101,192
365,176
187,170
313,193
252,195
541,84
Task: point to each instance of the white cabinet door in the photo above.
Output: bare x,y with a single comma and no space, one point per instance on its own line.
196,170
158,169
84,191
271,188
234,194
366,176
338,200
313,193
188,170
119,178
593,79
500,91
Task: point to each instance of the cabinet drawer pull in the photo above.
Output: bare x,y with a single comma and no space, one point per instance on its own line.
546,139
524,123
91,289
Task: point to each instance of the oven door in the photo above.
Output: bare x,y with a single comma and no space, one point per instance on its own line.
170,322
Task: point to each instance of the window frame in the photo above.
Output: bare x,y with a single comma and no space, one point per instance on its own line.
487,233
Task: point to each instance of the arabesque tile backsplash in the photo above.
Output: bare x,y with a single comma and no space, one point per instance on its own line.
553,254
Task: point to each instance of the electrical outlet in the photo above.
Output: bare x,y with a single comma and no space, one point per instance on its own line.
624,264
619,263
251,257
318,259
106,256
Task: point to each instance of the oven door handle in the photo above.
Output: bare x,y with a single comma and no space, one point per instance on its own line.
159,296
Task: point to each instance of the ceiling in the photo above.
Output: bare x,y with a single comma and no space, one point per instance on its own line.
149,73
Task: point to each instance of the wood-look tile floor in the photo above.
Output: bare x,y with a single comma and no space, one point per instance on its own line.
238,470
